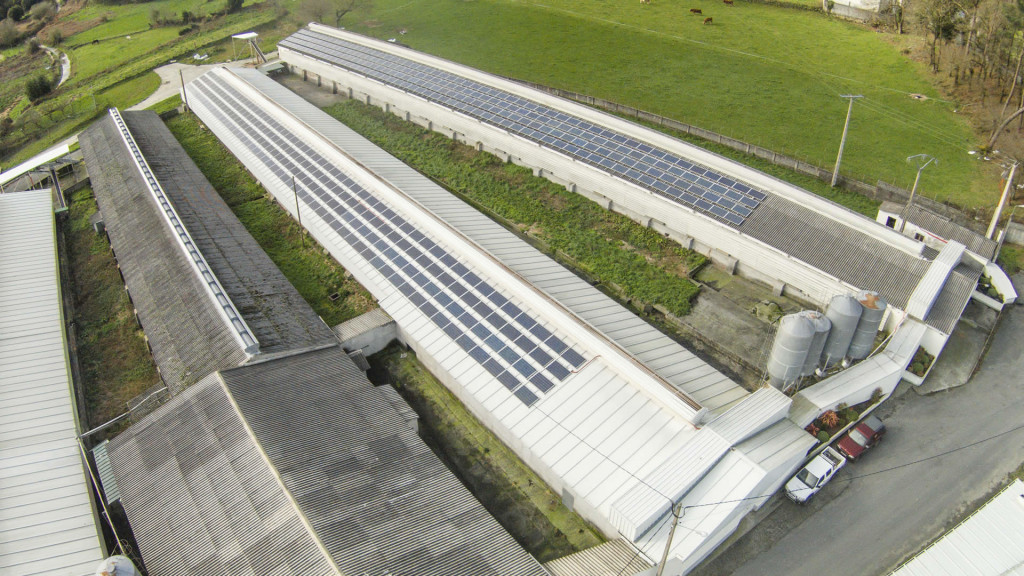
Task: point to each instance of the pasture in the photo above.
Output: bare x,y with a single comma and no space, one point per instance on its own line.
765,74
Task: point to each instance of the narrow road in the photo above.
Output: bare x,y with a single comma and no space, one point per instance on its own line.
171,76
65,63
884,508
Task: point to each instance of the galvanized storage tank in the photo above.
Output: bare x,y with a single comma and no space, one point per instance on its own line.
792,341
822,325
844,312
874,307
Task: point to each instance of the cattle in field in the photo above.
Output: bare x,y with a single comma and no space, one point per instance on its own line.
695,11
728,2
709,20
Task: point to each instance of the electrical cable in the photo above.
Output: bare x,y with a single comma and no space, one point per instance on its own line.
850,478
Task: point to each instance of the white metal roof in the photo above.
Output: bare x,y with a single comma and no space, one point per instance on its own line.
34,162
47,521
930,286
988,543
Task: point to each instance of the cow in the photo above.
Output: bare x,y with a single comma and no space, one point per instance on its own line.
728,2
695,11
708,20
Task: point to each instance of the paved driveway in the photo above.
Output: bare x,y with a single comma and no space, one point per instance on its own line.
884,508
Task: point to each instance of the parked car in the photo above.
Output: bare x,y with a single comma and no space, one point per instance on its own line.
814,475
861,437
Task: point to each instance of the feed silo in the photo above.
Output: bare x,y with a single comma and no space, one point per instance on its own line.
822,325
873,306
792,341
844,313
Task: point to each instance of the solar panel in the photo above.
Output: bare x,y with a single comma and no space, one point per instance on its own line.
436,280
581,139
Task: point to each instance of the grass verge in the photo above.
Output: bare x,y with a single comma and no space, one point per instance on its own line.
510,491
609,247
314,273
116,364
758,74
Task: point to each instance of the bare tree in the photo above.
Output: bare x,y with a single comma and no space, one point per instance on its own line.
1015,18
939,19
331,11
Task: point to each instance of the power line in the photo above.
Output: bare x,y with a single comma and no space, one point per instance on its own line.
845,479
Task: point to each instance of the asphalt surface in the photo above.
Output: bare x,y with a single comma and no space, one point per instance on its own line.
884,507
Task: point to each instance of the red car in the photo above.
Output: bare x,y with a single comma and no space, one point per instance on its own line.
861,437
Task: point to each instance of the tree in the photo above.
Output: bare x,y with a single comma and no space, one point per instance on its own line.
16,12
9,35
42,11
940,19
38,87
234,6
331,11
1015,18
899,10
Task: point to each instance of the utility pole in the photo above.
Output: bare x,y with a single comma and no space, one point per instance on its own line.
842,143
922,160
676,511
1002,237
1002,201
298,215
184,97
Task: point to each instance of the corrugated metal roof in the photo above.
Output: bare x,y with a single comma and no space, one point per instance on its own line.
376,496
361,324
273,309
944,228
852,256
200,497
666,357
47,520
108,481
751,415
34,162
987,543
613,558
184,329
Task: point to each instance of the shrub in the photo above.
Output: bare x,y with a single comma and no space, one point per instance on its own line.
876,395
16,12
822,436
829,419
43,11
32,46
233,6
812,429
850,415
55,38
38,87
9,34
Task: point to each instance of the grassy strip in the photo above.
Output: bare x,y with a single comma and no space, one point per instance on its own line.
307,266
166,105
607,246
116,364
510,491
851,200
1011,258
758,74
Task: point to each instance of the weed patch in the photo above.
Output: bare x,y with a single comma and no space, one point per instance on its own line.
606,246
304,262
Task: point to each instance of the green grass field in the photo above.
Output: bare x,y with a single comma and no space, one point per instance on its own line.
768,75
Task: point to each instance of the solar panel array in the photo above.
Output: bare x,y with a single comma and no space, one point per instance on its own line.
683,181
522,354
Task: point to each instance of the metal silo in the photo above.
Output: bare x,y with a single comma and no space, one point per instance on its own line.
822,325
844,312
792,341
874,307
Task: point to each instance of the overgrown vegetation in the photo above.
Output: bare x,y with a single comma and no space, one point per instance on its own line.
610,248
511,492
1011,258
116,364
307,266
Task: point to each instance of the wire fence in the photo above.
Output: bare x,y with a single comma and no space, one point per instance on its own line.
880,191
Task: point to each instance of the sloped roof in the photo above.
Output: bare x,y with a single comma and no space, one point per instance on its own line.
218,480
47,521
186,332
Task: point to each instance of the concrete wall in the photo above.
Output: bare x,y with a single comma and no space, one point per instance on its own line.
724,245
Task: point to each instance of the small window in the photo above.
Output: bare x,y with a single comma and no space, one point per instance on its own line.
919,237
890,222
